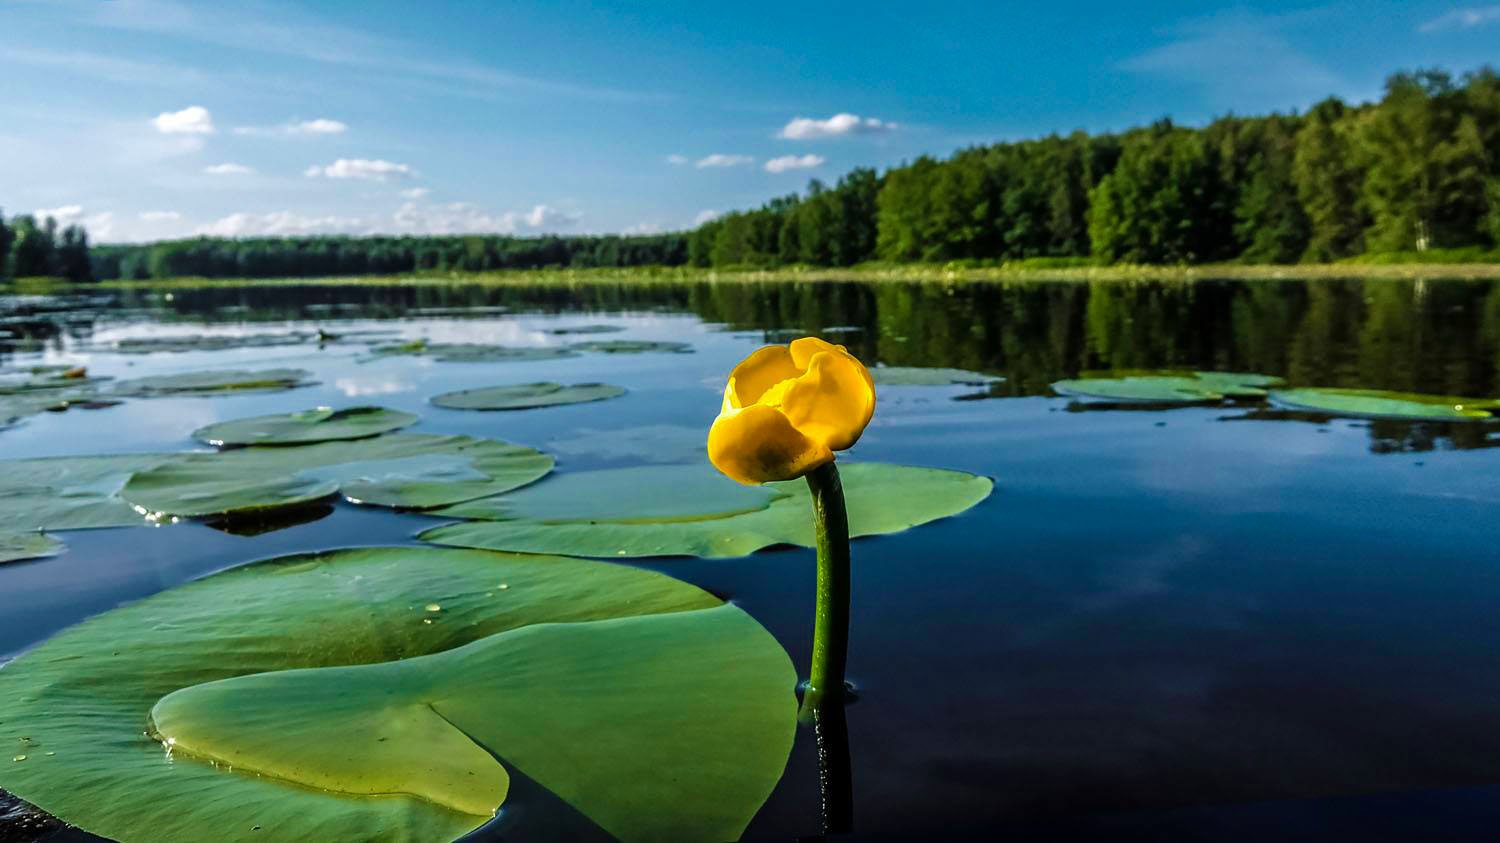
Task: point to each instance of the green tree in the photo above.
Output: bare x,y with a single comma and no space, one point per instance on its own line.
1155,206
1328,182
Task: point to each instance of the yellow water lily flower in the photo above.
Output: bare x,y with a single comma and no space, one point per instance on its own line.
788,408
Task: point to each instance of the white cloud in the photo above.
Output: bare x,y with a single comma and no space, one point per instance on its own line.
641,228
839,125
466,218
706,215
280,223
362,168
416,192
719,159
160,216
794,162
193,120
1463,19
677,160
1243,61
63,215
305,128
228,170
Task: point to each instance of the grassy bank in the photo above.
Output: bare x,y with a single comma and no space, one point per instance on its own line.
934,273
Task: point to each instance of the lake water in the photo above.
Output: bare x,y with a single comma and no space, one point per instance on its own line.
1210,622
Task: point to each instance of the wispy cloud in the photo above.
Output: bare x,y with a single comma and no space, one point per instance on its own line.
99,226
409,218
1463,19
677,160
193,120
837,126
64,214
366,169
720,159
228,169
416,192
794,162
109,68
280,223
160,216
1242,60
706,215
297,129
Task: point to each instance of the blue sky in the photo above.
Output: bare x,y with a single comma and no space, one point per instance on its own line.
155,118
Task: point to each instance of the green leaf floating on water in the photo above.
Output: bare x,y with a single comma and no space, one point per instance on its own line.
323,424
468,352
588,329
525,396
402,470
923,376
17,546
631,346
72,493
694,511
220,342
1167,387
385,693
1380,404
208,383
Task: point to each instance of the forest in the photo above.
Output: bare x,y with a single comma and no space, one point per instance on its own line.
1417,171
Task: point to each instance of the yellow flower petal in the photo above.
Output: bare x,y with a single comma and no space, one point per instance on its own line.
833,402
763,369
759,445
803,350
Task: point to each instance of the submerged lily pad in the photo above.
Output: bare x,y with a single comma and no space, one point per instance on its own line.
72,493
402,470
208,383
922,376
588,329
210,342
388,693
15,547
631,346
693,511
526,396
1168,387
323,424
470,352
1381,404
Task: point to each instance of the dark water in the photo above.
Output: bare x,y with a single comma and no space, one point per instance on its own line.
1202,623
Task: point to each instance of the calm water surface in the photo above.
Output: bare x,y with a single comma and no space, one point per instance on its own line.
1201,623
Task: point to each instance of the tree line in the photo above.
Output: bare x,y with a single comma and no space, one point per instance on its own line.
1415,171
31,248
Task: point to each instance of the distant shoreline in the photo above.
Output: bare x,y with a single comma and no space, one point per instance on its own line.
935,273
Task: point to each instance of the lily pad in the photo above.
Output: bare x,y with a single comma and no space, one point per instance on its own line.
69,379
526,396
588,329
391,694
72,493
209,383
323,424
693,511
631,346
1381,404
470,352
401,470
15,547
922,376
1167,387
212,342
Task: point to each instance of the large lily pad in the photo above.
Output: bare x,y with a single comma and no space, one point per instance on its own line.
15,546
402,470
209,383
72,493
1381,404
923,376
209,342
631,346
391,693
1167,387
470,352
525,396
692,511
323,424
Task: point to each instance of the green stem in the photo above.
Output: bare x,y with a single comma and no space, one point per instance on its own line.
831,623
